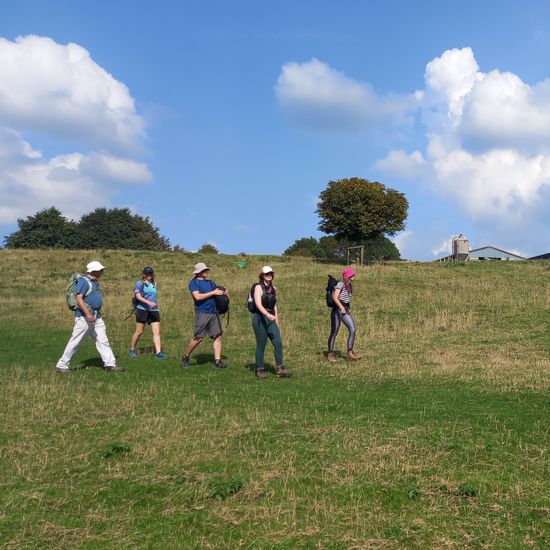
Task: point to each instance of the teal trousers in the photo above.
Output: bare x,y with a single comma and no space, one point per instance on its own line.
264,329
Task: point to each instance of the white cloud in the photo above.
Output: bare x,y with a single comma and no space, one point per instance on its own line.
75,183
400,240
319,98
60,92
243,228
446,246
400,164
488,148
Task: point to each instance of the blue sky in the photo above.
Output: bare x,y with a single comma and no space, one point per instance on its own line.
224,121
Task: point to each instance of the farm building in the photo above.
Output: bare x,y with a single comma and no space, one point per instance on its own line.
541,257
492,253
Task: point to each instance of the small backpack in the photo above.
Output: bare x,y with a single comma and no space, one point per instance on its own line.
222,302
70,295
332,282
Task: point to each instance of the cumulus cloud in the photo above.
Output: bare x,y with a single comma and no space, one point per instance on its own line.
60,93
488,146
75,183
319,98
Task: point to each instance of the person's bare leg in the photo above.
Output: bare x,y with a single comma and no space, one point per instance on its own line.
192,345
155,327
137,335
218,348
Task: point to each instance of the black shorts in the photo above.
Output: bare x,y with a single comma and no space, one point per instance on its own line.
144,316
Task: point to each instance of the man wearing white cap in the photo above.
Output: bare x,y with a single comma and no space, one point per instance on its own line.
88,321
207,319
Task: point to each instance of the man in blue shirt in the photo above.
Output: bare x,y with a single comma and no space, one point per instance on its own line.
88,321
207,319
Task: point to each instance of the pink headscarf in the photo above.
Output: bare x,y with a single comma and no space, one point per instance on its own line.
348,272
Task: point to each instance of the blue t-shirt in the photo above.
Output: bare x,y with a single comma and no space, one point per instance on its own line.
93,300
204,286
149,292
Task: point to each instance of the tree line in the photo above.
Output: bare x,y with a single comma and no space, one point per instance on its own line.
115,228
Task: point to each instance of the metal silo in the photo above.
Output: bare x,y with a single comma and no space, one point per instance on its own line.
461,248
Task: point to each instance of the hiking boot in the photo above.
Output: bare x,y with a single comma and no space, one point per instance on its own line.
282,372
260,373
63,371
220,365
132,353
352,357
331,358
114,369
161,355
185,362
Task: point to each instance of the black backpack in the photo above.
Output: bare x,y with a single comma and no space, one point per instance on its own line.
251,303
332,282
222,302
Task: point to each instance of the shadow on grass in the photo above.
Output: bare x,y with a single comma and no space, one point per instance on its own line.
90,363
267,367
205,358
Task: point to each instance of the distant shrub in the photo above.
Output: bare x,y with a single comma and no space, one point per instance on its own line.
208,249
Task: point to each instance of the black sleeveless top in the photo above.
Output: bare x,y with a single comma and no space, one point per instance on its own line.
269,299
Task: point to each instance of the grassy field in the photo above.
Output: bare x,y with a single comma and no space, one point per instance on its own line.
438,438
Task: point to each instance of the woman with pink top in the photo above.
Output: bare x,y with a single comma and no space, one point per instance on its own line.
341,313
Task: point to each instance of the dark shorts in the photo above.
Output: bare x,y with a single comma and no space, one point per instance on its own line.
144,316
207,323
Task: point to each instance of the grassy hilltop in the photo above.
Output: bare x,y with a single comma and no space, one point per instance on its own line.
438,438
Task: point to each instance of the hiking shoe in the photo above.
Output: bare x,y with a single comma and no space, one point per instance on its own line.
185,362
220,365
132,353
352,357
331,358
161,355
63,371
114,369
260,373
282,372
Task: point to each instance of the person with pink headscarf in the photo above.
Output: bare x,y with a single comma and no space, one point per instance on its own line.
341,313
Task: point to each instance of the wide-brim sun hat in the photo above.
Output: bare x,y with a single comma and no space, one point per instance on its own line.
200,267
266,269
94,266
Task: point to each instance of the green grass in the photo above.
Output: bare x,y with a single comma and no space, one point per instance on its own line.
438,438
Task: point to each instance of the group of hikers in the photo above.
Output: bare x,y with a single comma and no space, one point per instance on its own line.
262,303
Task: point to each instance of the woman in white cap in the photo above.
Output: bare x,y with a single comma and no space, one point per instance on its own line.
266,324
147,311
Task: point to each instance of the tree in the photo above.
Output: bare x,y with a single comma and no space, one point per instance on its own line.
46,228
357,210
208,249
308,246
381,248
119,228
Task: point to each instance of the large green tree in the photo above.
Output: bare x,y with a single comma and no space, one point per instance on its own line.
102,228
119,228
46,228
359,210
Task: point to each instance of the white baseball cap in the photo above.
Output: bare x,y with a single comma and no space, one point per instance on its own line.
94,266
200,267
266,269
